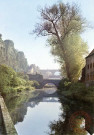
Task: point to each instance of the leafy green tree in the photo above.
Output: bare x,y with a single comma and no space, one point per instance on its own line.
59,22
7,75
3,82
76,49
23,75
12,82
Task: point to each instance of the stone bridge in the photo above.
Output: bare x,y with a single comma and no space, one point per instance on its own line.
39,78
46,81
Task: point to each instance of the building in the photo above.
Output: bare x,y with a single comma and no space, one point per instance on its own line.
36,77
89,69
33,69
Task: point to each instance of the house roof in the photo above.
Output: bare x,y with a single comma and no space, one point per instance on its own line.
92,53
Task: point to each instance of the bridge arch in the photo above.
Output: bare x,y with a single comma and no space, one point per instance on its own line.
52,81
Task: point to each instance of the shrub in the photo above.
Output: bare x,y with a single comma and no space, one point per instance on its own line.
35,84
64,84
76,91
23,76
7,75
10,81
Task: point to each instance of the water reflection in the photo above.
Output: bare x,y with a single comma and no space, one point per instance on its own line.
37,119
76,119
40,115
33,115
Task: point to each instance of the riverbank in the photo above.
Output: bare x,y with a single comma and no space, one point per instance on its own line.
12,83
77,91
34,93
31,107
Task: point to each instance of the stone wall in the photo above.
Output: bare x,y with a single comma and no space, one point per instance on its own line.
8,124
36,77
89,70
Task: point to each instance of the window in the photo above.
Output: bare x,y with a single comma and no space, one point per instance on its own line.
87,77
90,77
88,66
91,65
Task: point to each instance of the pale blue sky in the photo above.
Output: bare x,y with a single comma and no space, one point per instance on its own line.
18,18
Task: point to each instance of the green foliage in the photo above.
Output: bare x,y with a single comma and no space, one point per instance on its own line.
7,76
3,82
76,90
35,84
64,84
75,51
22,75
10,81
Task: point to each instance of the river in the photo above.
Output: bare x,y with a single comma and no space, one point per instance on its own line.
50,115
38,117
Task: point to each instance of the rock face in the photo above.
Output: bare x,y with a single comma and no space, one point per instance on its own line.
11,57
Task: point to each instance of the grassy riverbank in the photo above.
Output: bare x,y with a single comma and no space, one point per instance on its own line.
76,91
13,83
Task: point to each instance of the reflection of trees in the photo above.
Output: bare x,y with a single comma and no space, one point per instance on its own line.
63,127
19,114
18,105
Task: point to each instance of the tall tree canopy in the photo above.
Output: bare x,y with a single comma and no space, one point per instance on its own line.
75,48
61,23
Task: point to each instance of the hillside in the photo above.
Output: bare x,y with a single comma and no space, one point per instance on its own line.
11,57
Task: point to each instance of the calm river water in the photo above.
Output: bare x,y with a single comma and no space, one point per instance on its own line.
38,117
36,114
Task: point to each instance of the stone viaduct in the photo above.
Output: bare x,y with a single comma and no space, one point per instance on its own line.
42,81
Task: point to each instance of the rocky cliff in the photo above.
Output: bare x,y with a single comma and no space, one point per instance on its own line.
11,57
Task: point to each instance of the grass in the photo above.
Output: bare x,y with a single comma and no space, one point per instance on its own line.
76,91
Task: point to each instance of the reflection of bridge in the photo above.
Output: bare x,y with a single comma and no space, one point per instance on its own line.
52,81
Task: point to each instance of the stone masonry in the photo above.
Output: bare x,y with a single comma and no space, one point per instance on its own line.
89,69
8,124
